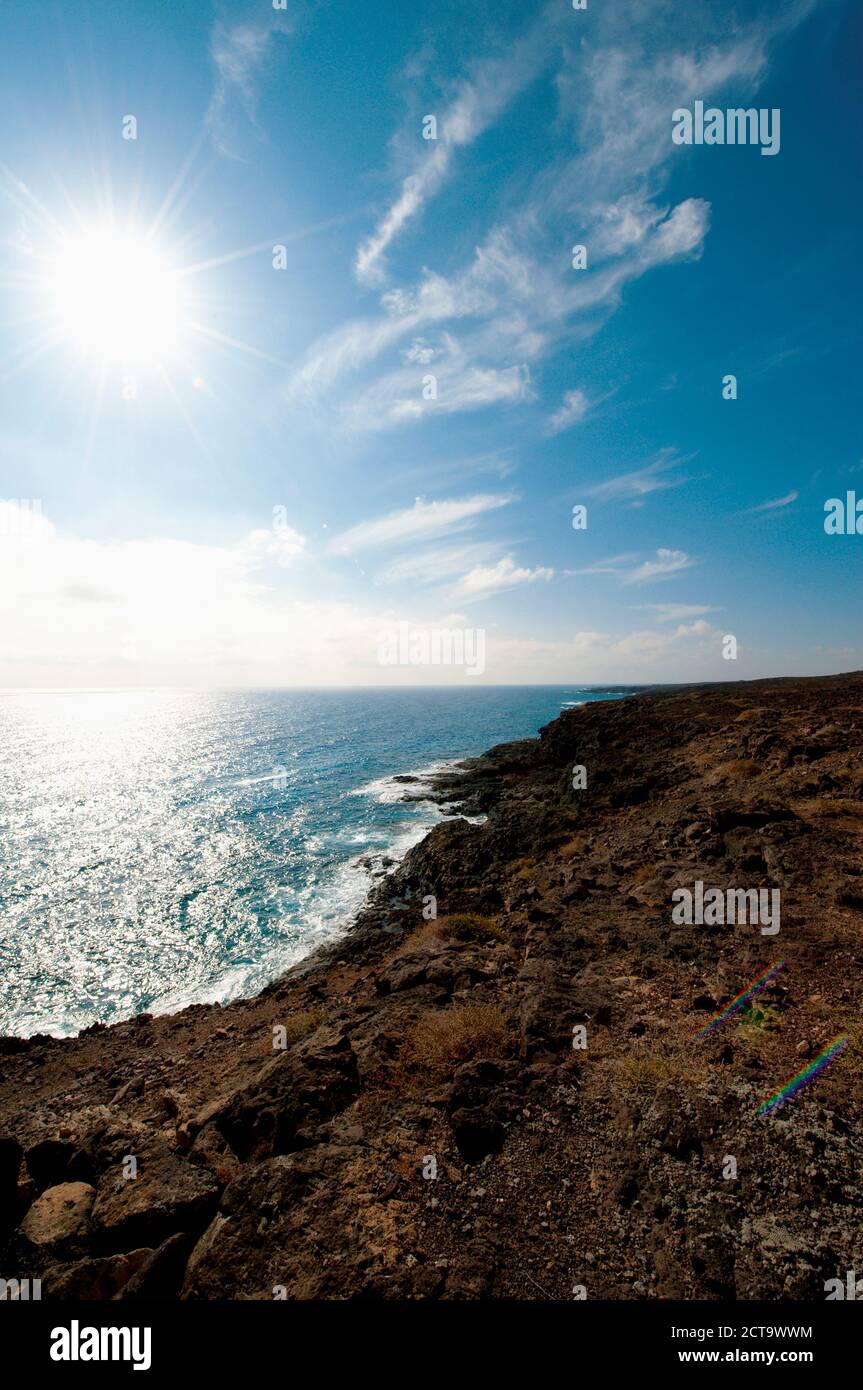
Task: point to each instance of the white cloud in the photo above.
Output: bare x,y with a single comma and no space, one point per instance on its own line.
422,519
468,388
517,299
654,477
240,49
435,564
667,563
675,612
642,656
516,309
280,544
80,613
419,352
479,100
776,502
571,411
615,565
484,580
621,225
680,234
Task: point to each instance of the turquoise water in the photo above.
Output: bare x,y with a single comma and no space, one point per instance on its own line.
162,848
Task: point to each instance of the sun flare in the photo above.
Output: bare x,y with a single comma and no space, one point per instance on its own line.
116,297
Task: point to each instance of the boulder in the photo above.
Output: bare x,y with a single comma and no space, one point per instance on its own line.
168,1195
160,1276
94,1280
48,1161
295,1090
61,1214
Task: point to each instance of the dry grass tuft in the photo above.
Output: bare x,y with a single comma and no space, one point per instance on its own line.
577,845
444,1040
639,1070
470,926
646,873
462,928
301,1024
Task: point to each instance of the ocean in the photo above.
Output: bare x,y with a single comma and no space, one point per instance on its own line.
162,848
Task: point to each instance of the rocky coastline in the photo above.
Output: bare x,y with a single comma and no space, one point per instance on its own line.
492,1086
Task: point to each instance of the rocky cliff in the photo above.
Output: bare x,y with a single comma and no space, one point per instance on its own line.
510,1099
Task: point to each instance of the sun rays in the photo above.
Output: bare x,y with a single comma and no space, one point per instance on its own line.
101,298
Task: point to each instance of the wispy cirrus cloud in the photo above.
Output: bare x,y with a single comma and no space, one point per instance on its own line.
478,566
436,564
622,567
667,563
421,520
505,311
676,612
241,46
657,476
776,503
479,98
517,299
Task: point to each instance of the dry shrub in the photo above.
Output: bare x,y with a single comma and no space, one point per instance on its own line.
443,1040
301,1024
646,873
470,926
462,928
639,1070
577,845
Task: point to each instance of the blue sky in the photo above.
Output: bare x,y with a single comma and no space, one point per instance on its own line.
261,492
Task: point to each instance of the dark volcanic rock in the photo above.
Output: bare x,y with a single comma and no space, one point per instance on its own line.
295,1090
519,1102
169,1195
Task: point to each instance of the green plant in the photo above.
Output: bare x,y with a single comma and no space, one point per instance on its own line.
756,1021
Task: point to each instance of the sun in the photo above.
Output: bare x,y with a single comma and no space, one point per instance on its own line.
116,297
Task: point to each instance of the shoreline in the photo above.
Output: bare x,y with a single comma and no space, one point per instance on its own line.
229,928
453,1037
